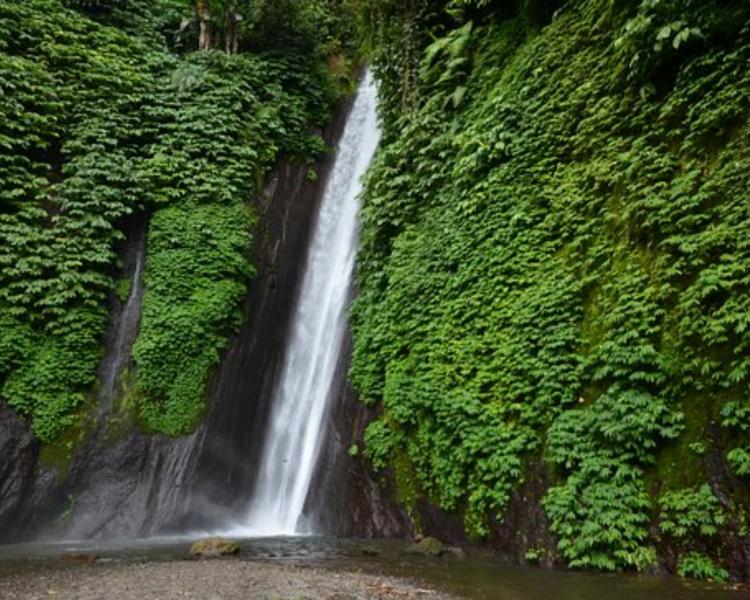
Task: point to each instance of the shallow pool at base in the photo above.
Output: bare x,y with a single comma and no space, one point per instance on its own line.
478,576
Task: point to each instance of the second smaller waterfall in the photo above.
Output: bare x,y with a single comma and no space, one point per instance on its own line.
126,331
302,395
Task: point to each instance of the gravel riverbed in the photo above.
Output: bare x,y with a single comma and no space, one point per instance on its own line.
207,580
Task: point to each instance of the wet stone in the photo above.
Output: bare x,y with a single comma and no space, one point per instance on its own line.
214,547
433,547
79,558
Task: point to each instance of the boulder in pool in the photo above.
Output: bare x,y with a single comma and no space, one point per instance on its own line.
428,546
214,547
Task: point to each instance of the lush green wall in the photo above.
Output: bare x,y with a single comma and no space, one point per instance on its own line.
100,122
555,263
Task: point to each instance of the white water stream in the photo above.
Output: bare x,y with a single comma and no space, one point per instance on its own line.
303,392
118,352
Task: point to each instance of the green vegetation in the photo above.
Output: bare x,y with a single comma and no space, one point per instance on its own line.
692,519
555,262
700,566
106,117
736,416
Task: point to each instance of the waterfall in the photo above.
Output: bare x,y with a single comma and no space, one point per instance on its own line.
127,323
303,392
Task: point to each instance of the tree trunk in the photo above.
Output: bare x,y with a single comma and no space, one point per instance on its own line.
232,41
203,14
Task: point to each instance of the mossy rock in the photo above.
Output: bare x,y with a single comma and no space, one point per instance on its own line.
214,547
430,546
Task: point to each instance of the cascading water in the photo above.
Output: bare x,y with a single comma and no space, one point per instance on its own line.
303,392
126,331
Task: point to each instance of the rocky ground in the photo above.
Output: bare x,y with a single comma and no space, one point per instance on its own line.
208,580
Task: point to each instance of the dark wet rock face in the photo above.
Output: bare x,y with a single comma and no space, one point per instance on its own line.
726,487
525,525
18,472
129,489
125,490
344,499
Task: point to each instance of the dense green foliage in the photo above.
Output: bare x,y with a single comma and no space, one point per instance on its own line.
693,519
211,147
556,263
99,122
